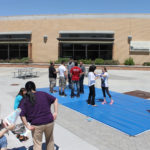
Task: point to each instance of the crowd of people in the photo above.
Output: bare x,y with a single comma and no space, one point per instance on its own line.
74,74
35,105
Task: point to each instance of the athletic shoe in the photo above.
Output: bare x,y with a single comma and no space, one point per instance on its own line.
72,96
78,95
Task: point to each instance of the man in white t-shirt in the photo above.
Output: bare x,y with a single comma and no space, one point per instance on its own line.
62,78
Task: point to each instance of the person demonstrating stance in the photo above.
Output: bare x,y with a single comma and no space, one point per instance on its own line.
62,78
69,66
104,85
91,84
52,77
75,74
82,77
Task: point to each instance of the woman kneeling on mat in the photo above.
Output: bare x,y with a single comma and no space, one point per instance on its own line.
104,85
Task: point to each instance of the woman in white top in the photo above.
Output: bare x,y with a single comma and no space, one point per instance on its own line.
104,85
91,84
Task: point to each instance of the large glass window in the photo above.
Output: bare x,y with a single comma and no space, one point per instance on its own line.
23,50
66,50
86,45
79,51
14,50
10,51
106,46
86,51
3,51
106,55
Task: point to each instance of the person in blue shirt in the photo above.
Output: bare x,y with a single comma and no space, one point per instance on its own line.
17,102
19,97
4,128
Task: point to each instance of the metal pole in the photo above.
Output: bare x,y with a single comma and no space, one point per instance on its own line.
86,51
8,51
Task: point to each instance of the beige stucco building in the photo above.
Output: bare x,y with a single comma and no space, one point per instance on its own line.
47,37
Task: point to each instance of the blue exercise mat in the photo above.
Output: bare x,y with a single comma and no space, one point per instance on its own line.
128,113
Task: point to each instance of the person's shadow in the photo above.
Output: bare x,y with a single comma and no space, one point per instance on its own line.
100,100
18,148
31,147
43,147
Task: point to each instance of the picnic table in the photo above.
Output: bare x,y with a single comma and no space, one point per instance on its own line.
25,73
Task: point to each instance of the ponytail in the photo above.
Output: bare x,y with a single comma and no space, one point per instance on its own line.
30,86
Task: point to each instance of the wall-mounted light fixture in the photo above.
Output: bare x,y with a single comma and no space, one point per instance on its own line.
129,38
45,38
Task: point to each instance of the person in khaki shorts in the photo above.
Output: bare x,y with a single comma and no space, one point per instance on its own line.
62,78
52,77
36,110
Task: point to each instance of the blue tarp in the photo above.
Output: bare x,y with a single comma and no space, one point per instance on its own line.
128,113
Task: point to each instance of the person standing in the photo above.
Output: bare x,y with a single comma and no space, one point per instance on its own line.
19,97
91,84
69,66
62,78
104,85
4,128
82,77
75,74
35,109
52,77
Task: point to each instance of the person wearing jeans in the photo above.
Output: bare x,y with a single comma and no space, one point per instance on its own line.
82,77
69,66
75,83
75,73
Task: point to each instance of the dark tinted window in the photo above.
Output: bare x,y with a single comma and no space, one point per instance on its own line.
10,51
87,35
19,37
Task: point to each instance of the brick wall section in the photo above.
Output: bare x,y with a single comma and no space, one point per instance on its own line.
98,67
44,52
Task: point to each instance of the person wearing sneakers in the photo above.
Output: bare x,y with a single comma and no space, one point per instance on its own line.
75,74
52,77
104,85
62,78
82,67
69,66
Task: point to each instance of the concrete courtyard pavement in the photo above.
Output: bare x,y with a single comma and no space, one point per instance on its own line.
72,130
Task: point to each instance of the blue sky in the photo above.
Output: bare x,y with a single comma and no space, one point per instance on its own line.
36,7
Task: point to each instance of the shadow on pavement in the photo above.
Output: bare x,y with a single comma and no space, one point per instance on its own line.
43,147
19,148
